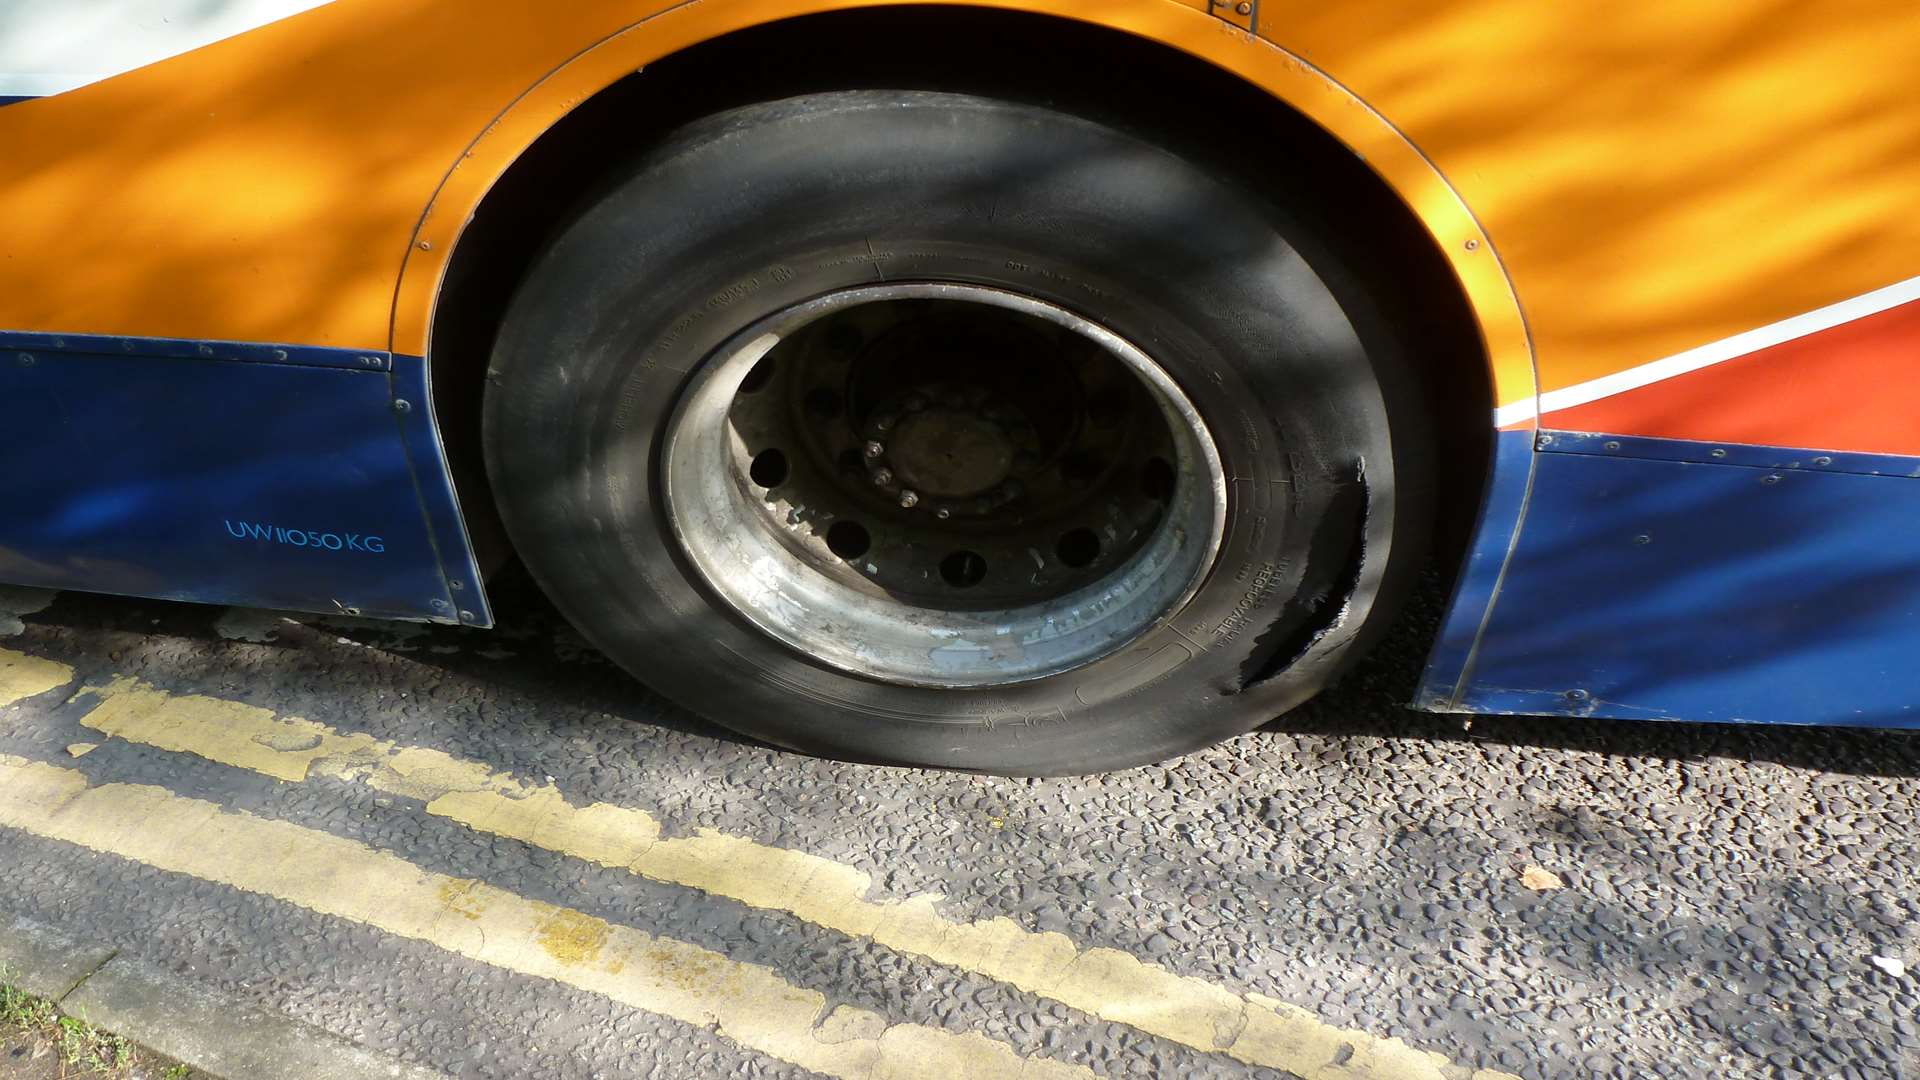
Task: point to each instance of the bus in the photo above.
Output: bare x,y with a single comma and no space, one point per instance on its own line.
1028,386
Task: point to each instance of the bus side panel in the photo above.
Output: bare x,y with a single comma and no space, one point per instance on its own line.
1760,587
268,483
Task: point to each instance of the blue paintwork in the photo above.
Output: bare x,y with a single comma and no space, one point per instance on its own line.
1642,587
6,99
1501,512
130,469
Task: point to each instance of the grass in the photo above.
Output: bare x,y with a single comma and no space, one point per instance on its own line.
85,1050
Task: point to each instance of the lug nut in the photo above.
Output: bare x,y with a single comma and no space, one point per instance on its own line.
882,477
875,448
909,499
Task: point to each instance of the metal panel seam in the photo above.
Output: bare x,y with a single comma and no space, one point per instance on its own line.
402,410
245,352
1499,585
1737,455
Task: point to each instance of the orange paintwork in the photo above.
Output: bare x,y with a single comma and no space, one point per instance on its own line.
1657,176
269,187
1649,177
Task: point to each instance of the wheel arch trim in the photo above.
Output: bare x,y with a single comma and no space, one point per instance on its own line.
1285,76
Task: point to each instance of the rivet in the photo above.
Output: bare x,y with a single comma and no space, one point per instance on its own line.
438,605
1719,452
456,586
1643,538
402,405
1613,444
1823,460
1244,8
943,513
26,360
466,616
426,245
1473,245
1772,478
1545,440
1576,695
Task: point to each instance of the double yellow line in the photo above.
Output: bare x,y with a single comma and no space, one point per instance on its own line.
749,1004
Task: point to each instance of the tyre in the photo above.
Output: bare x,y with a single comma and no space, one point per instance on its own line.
928,428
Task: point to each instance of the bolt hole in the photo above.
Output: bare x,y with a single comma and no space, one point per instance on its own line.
963,568
758,378
823,403
848,539
769,468
1156,480
1078,547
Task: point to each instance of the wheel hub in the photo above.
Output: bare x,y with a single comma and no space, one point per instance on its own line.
950,453
943,484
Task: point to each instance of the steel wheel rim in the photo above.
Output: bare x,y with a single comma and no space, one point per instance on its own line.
766,553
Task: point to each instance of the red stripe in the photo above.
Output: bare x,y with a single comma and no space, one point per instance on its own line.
1853,387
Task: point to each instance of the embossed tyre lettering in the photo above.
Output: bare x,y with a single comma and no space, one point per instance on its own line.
930,428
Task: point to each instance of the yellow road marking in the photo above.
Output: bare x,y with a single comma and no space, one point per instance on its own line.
1107,983
23,676
332,875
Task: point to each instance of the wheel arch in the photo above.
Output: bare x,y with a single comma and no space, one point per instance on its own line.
520,178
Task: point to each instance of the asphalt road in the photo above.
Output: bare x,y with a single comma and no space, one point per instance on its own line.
493,854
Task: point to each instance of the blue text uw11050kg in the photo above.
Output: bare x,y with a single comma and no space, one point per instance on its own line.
326,541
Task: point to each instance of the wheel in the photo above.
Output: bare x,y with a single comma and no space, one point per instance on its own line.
927,428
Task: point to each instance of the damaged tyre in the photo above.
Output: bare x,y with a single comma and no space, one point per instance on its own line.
928,428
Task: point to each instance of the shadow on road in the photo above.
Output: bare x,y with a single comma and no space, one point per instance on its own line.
534,654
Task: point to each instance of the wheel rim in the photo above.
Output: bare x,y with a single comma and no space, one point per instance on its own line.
942,485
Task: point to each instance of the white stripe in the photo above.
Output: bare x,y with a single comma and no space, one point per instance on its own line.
52,46
1739,345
